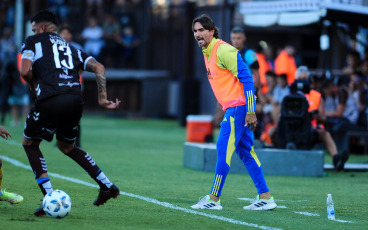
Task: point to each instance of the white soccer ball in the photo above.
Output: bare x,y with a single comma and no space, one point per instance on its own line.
57,204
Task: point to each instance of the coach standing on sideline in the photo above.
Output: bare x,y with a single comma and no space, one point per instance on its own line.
233,87
51,68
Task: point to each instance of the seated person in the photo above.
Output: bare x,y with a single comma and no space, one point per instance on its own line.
316,108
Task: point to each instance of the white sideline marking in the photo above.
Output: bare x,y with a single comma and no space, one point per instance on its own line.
148,199
343,221
307,213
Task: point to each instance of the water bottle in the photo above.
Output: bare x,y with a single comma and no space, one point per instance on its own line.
330,208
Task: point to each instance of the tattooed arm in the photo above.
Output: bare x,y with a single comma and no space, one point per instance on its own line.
99,70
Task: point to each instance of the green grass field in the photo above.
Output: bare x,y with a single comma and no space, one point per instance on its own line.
144,159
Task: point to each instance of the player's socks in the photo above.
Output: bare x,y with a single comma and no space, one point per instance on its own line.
45,185
36,160
88,164
102,180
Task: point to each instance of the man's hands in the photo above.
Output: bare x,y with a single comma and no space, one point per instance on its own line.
109,104
251,121
4,133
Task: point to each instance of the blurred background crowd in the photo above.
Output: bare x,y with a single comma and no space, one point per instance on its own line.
328,46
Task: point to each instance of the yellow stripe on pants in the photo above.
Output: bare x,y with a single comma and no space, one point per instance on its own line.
231,142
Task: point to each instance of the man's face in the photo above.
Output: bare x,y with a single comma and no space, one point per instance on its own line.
203,36
237,40
38,28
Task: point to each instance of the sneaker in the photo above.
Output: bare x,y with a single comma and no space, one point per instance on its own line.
206,203
340,159
10,197
104,196
261,204
39,211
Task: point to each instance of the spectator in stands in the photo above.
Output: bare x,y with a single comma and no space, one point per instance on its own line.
264,66
112,50
130,42
265,102
316,108
280,91
329,94
353,62
358,91
348,103
67,34
364,67
238,39
19,98
285,63
92,35
8,54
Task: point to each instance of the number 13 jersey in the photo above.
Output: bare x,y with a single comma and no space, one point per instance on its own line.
56,65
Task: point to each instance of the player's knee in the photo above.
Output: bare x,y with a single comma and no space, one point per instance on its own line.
64,147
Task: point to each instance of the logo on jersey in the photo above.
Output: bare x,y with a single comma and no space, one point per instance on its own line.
65,76
65,71
70,84
36,116
38,90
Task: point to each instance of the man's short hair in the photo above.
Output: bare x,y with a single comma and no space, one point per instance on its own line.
238,29
301,69
207,24
45,16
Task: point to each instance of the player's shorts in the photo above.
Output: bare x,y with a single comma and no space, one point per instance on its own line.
58,115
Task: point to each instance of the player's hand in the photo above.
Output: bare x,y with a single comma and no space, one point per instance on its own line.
109,104
4,133
251,121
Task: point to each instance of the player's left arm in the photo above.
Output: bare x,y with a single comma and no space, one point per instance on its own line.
96,67
231,60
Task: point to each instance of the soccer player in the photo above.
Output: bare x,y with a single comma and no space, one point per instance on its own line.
234,89
10,197
51,68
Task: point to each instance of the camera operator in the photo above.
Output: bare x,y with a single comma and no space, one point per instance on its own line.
316,108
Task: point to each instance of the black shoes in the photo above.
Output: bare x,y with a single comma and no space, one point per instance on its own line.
340,159
104,196
39,211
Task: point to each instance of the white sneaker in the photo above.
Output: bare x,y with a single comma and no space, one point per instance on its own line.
261,204
206,203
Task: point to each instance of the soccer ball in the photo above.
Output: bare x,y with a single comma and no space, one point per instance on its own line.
57,204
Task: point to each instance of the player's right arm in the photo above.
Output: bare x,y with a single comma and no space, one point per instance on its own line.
97,68
28,56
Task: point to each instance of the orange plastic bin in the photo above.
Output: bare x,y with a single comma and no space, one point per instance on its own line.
199,128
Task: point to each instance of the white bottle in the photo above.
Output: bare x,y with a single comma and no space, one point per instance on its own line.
330,208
